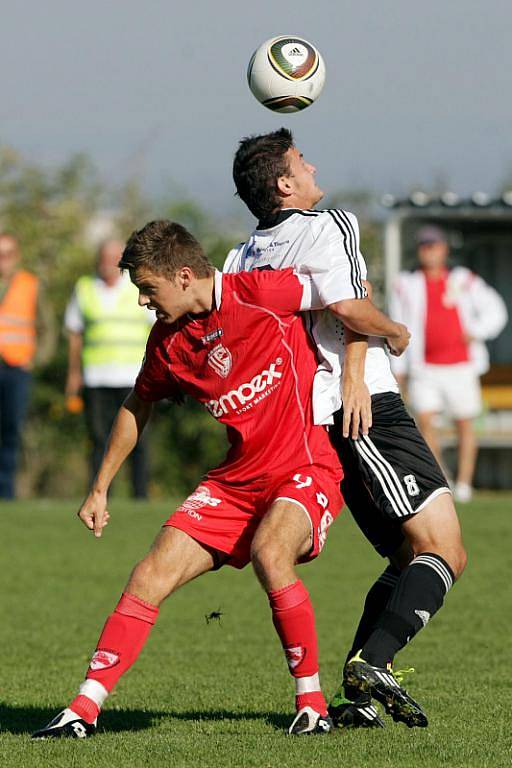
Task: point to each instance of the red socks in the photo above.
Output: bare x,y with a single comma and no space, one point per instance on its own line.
314,699
294,620
122,639
85,708
127,629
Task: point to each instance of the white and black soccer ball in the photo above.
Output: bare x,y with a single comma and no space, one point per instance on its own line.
286,74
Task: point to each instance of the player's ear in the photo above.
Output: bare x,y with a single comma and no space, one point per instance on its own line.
185,276
284,186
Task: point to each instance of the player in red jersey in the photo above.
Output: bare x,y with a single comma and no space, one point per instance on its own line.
237,344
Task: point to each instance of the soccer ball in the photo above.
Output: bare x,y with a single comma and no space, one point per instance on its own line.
286,74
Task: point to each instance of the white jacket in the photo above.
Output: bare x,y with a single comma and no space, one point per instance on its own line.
482,312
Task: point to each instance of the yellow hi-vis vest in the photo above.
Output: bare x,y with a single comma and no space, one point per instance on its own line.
113,335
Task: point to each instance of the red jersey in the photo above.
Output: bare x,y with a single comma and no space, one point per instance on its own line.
251,363
444,336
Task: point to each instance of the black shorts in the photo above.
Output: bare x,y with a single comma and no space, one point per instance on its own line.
390,474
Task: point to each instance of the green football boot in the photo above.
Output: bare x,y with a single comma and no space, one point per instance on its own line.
383,685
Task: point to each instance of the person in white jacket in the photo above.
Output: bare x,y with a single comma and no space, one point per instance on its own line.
450,314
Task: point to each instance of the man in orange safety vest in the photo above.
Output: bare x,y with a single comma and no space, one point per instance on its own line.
20,335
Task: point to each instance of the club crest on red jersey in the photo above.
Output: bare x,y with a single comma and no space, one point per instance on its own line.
219,358
294,655
103,660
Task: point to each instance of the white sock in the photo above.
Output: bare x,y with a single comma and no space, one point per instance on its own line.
309,684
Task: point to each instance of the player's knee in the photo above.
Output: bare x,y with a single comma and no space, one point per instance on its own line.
453,553
140,580
457,559
150,582
269,560
262,557
461,560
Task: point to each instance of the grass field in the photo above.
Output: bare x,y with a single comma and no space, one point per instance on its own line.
189,700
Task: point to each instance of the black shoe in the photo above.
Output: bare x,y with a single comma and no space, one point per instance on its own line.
67,724
309,722
354,714
382,684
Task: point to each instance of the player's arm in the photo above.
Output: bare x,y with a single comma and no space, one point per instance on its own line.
363,317
357,406
337,270
357,402
286,291
128,426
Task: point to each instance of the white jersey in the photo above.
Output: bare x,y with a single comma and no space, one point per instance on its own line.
324,245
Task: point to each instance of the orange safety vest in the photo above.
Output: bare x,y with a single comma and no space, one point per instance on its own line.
18,310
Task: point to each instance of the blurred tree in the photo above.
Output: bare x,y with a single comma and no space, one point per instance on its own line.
50,211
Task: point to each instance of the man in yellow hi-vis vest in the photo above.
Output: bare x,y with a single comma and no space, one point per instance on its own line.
26,335
107,338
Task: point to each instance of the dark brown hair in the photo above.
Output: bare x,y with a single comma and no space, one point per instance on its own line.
164,247
259,162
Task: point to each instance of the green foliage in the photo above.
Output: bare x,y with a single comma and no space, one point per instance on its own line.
49,211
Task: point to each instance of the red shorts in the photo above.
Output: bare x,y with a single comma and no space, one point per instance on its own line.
224,517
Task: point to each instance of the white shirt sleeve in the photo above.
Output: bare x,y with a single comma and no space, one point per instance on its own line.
310,297
334,262
232,263
73,318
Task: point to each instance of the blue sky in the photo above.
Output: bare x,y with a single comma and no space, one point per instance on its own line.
415,91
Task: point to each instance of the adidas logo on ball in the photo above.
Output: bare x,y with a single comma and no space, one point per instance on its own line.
286,74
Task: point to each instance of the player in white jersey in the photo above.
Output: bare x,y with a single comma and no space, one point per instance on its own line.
393,486
310,241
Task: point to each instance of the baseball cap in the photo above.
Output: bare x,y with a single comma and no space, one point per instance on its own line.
430,234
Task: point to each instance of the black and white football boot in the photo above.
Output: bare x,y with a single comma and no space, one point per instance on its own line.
66,724
383,685
307,722
361,713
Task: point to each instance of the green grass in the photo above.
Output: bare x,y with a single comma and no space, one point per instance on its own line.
221,695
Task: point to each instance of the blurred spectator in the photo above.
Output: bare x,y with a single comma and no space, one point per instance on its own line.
107,339
450,313
27,336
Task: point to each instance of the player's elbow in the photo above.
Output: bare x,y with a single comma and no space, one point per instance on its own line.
348,310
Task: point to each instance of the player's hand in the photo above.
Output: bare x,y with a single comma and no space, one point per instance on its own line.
94,513
398,343
357,408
